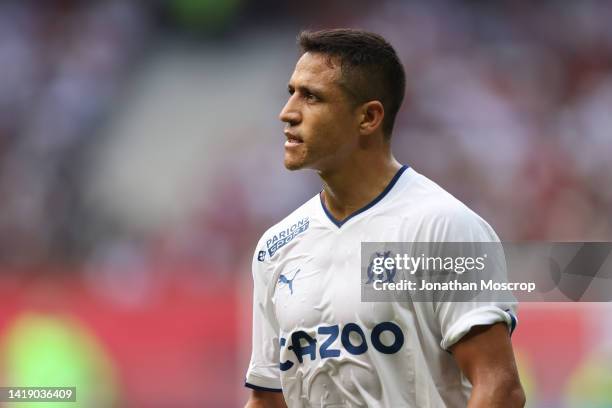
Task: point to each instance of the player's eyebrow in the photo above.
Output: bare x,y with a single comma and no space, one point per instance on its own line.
304,89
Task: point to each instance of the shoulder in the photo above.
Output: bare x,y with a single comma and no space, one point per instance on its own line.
286,230
439,215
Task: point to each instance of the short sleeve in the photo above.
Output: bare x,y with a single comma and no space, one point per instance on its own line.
456,319
263,372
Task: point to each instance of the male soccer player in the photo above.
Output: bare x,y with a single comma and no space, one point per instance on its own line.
315,343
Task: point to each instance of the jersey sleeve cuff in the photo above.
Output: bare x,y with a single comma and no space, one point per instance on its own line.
259,383
483,316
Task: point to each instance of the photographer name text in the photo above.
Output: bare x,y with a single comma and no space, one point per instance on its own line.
453,285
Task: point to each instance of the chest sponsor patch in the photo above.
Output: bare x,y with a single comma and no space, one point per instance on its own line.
285,236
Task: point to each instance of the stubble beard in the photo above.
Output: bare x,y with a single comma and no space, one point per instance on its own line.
293,165
296,161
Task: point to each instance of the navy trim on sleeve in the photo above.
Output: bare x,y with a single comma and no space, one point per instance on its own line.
258,388
513,324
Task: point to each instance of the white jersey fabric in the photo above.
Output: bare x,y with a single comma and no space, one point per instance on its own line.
318,343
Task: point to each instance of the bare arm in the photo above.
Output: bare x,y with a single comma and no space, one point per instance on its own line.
486,358
266,399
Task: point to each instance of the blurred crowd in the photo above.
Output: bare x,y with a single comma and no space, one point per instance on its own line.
509,107
63,63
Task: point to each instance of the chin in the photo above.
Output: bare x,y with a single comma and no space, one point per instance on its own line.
293,165
294,162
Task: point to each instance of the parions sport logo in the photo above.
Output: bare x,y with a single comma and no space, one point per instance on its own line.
283,237
353,340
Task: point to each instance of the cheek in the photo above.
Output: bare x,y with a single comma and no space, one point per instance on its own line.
328,130
338,134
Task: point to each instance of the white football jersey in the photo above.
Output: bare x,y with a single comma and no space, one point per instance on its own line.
318,343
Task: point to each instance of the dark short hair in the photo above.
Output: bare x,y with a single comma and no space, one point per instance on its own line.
371,69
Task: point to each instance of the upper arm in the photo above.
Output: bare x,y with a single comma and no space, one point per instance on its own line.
477,332
266,399
486,358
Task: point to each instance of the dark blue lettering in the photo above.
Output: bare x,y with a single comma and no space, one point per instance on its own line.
393,328
299,350
355,350
287,364
333,335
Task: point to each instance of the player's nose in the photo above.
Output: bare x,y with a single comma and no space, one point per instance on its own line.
290,113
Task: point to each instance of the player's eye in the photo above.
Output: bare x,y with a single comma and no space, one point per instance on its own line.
310,97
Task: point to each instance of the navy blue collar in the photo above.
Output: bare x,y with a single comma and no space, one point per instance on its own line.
340,223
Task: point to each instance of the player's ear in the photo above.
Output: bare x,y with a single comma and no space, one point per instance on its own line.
371,118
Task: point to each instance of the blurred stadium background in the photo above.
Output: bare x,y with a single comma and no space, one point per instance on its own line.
141,158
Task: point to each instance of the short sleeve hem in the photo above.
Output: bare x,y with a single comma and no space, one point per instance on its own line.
483,316
256,388
262,383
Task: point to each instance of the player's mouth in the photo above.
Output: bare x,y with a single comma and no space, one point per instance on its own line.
293,140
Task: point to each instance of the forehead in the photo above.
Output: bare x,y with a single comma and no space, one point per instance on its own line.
315,69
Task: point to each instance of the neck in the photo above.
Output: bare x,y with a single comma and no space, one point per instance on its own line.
357,182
